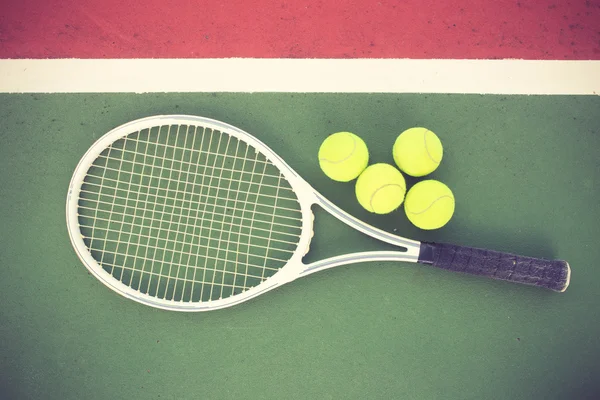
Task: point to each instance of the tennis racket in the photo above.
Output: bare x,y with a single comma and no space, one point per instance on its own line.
187,213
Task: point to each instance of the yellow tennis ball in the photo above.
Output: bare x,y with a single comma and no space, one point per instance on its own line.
343,156
429,204
380,188
418,151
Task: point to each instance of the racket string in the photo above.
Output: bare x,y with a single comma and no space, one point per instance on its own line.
267,212
271,230
171,262
176,278
147,192
252,218
219,169
200,152
103,253
187,225
233,220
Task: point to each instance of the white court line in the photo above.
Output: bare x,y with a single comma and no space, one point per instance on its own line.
553,77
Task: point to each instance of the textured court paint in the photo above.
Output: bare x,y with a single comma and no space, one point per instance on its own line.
525,173
545,29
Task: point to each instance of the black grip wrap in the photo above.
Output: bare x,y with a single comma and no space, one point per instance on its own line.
550,274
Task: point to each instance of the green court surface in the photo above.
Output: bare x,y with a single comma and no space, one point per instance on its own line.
525,172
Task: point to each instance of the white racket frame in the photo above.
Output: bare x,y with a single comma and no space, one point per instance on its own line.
293,269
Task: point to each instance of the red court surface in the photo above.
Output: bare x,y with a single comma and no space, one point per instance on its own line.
545,29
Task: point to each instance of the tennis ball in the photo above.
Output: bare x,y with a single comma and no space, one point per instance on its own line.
343,156
380,188
429,204
418,151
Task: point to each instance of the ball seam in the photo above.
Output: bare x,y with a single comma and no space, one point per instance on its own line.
427,148
381,187
429,206
343,159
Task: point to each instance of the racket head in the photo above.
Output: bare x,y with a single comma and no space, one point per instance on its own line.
141,252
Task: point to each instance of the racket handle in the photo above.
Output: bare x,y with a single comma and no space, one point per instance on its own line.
549,274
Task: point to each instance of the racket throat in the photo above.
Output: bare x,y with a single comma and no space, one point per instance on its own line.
364,257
